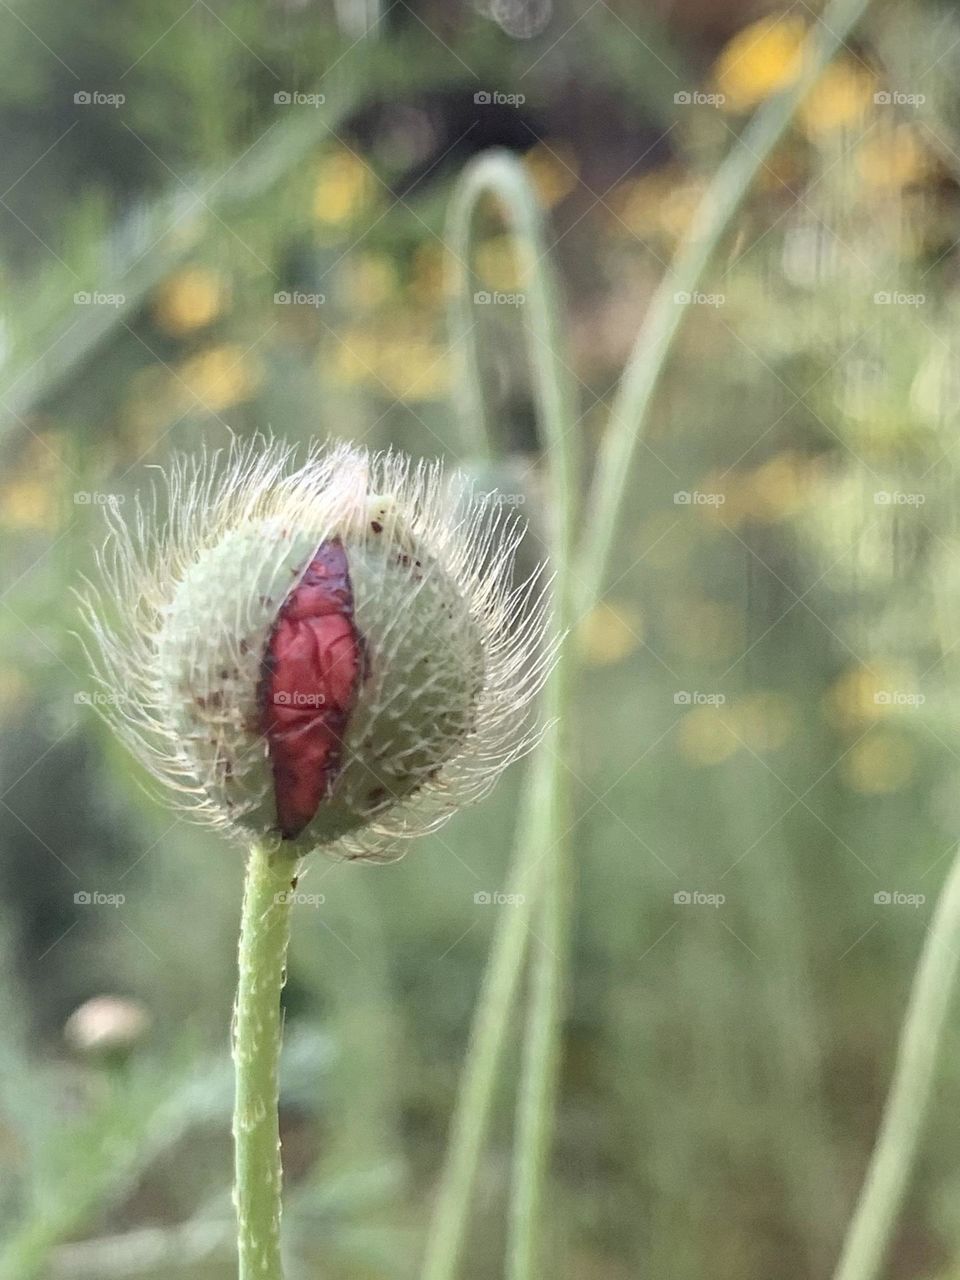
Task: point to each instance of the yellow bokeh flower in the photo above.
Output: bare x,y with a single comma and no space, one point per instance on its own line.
28,503
553,170
760,60
609,633
189,300
861,695
893,158
503,263
880,763
345,186
706,738
220,377
841,98
369,280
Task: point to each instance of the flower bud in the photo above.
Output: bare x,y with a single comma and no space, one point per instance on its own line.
328,655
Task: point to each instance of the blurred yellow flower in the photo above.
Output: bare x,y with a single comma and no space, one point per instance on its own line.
189,300
344,187
661,203
369,280
13,688
553,170
503,263
841,97
609,633
220,377
29,503
414,369
405,367
882,762
705,736
760,60
428,278
861,696
893,158
780,488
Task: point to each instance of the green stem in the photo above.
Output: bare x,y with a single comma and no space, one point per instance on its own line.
264,934
541,855
471,1118
720,204
886,1182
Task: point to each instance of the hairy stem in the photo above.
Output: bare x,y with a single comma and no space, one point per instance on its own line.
886,1182
257,1030
541,858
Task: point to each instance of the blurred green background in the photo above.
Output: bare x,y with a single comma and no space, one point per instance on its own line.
219,218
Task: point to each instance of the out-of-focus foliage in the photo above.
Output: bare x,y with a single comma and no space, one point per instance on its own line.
770,714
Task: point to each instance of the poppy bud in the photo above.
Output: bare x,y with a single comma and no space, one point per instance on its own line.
333,654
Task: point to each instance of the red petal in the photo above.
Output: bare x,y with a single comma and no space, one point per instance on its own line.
311,671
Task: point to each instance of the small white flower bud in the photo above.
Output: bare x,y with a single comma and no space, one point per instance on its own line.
333,654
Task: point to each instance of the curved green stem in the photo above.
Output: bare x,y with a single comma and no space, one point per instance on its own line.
722,200
541,858
886,1182
257,1031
